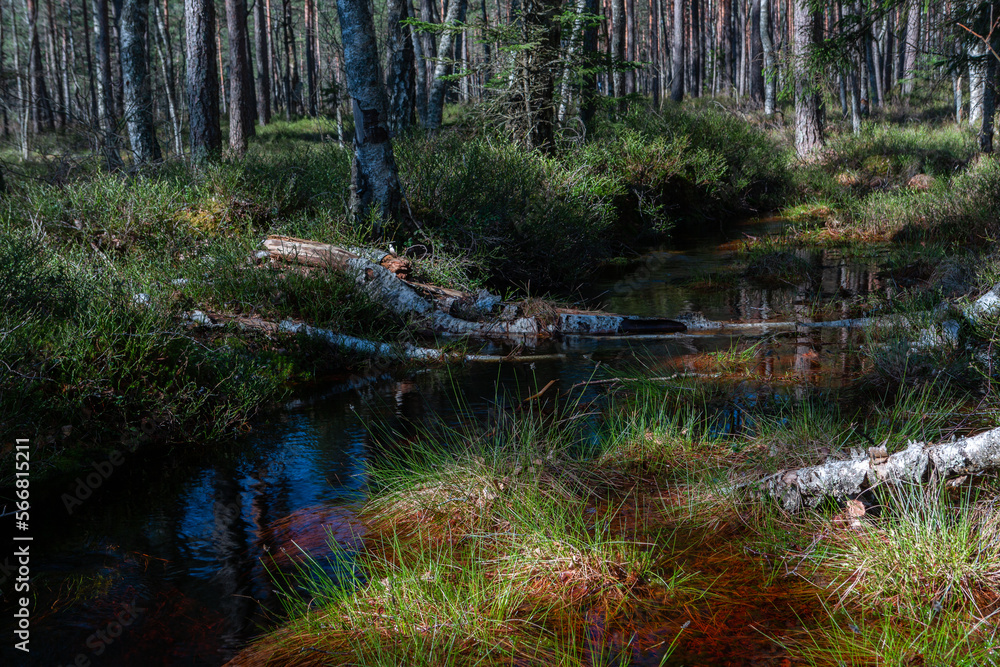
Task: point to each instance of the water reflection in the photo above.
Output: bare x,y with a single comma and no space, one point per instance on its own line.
191,537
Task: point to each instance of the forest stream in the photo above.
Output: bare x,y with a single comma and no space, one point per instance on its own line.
163,562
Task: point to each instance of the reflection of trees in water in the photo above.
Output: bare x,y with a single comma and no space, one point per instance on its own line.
229,542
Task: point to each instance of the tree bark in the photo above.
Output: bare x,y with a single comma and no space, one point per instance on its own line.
977,82
588,94
202,78
312,80
808,116
428,15
420,73
400,68
105,87
566,80
677,48
435,102
911,46
375,190
42,116
618,25
767,49
919,463
756,53
241,102
137,96
263,58
166,54
989,105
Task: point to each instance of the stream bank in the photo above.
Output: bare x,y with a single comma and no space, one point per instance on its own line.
187,537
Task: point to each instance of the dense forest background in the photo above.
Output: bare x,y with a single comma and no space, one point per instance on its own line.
152,78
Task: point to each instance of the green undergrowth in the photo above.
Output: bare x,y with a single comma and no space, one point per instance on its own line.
536,537
99,352
900,183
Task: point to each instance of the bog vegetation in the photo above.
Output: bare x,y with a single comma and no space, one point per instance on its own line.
525,152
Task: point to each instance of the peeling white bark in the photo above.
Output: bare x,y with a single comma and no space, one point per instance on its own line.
918,463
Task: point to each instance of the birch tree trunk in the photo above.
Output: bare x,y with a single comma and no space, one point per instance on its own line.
976,83
910,47
767,48
808,119
375,189
202,78
989,106
400,67
566,80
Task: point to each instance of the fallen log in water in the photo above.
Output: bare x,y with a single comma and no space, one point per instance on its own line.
368,348
449,311
918,463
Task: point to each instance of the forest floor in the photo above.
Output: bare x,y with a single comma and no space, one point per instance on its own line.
531,540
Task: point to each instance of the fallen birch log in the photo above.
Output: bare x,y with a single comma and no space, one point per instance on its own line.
918,463
449,311
368,348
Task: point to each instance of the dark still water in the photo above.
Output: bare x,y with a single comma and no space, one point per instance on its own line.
164,562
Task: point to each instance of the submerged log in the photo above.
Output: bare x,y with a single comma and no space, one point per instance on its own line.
918,463
367,348
452,312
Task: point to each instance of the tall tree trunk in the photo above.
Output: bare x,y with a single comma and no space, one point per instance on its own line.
311,56
59,104
95,119
428,14
588,95
241,101
400,67
566,80
756,53
541,24
677,48
105,87
989,105
375,190
41,103
654,47
166,54
631,52
977,82
808,118
619,23
202,78
137,96
697,73
263,56
420,71
911,47
435,103
767,49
